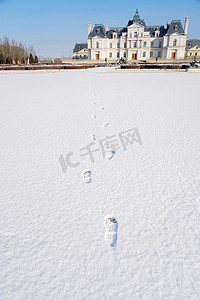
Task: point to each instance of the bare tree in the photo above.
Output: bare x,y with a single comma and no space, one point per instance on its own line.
14,52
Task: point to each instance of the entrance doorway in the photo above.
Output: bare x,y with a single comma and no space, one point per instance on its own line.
134,56
173,55
97,56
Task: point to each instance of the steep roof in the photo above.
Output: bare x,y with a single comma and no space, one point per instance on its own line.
175,27
192,43
80,46
98,30
152,29
117,30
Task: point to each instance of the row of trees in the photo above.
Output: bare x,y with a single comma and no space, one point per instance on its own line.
15,53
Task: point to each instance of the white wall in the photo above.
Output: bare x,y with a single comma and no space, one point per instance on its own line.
167,48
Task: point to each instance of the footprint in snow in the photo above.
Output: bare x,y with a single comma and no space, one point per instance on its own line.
105,124
111,225
87,176
110,154
92,137
93,116
101,108
93,103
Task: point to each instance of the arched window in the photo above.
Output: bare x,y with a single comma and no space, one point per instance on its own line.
174,43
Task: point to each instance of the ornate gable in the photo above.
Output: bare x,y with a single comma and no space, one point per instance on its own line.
136,25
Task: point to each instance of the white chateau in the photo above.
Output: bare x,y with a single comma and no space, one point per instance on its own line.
137,41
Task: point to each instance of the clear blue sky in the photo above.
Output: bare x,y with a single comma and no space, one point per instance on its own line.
53,27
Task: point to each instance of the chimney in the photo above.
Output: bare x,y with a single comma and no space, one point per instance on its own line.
186,25
89,28
106,27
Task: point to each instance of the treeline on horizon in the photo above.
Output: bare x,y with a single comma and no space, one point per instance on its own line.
16,53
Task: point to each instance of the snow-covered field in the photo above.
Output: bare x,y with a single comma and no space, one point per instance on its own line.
54,241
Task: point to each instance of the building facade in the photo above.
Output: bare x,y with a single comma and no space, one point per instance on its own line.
193,49
137,41
80,51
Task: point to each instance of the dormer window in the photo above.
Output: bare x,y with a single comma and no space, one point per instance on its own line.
175,27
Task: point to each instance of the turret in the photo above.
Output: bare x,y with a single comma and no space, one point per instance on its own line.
136,16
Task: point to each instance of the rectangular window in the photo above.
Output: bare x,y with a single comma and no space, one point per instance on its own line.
97,44
130,35
124,54
135,34
174,43
110,54
124,45
130,44
160,44
145,44
159,53
135,44
144,54
152,44
110,45
118,45
151,54
117,54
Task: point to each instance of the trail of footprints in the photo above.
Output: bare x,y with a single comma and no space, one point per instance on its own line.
101,108
110,154
110,222
92,136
